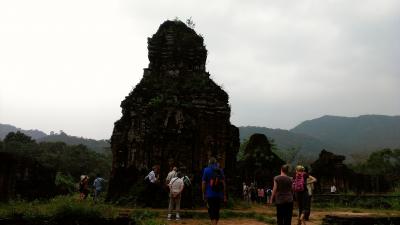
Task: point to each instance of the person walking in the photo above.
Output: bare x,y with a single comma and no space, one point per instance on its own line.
214,189
300,189
261,193
187,194
253,192
310,189
175,186
152,190
244,191
98,186
268,193
83,187
283,196
333,189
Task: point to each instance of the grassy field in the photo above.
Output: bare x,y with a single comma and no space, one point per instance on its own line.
236,212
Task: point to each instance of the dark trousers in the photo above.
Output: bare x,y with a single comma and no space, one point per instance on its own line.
187,198
284,213
151,194
214,204
302,199
307,209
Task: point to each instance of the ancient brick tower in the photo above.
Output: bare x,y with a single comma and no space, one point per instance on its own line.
176,115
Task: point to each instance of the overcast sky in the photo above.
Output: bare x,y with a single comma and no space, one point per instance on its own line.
67,65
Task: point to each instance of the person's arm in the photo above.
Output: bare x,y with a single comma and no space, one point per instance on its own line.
170,184
182,186
312,179
273,192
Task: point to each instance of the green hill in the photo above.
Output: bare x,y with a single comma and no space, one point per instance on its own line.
6,128
285,139
354,134
99,146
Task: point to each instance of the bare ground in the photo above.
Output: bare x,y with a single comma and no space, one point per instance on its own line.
315,219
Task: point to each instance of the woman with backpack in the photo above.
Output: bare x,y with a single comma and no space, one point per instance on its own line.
299,187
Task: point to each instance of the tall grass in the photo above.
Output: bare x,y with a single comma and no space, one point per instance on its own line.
59,207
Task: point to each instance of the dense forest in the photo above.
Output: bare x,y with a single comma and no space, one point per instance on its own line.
69,161
100,146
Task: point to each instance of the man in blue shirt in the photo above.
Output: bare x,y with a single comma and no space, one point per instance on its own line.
213,188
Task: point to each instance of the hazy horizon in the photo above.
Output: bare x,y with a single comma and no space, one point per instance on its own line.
57,132
68,65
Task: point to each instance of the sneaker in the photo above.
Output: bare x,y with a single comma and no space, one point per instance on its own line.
177,217
169,217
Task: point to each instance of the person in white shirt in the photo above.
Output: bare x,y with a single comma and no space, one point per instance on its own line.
154,175
245,192
333,189
152,189
175,186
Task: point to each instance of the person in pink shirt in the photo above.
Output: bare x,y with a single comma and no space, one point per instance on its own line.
260,192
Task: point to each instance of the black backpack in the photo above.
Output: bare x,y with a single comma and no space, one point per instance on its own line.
216,180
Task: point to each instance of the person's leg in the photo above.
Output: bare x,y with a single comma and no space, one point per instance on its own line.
170,206
288,213
213,210
299,198
307,209
210,204
149,192
178,207
210,210
302,198
96,195
218,206
86,193
191,204
279,214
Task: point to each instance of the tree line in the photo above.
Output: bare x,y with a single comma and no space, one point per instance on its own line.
69,161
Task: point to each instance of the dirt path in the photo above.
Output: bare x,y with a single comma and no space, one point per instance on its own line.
221,222
316,217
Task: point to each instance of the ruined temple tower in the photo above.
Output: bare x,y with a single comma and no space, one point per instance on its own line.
176,115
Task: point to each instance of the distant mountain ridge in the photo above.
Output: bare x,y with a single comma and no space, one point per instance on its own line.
284,139
355,134
341,135
99,146
6,128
